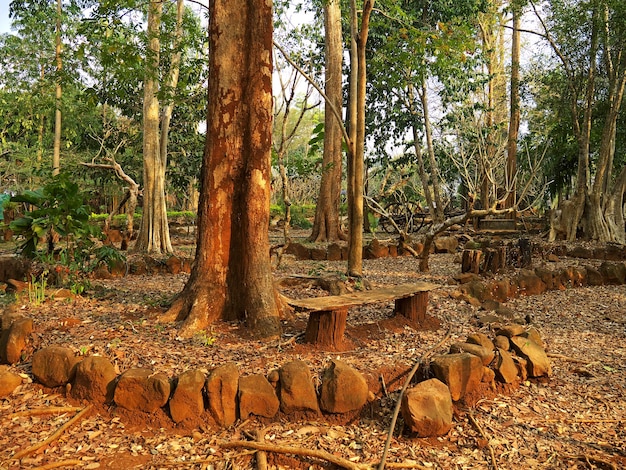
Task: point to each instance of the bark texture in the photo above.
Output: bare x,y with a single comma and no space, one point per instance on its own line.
232,278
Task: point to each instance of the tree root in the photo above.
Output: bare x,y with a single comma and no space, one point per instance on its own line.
54,437
568,359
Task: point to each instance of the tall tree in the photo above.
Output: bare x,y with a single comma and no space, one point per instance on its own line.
356,147
326,226
232,277
56,155
154,235
514,107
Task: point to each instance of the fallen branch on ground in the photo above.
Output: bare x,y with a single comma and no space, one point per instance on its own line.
54,437
484,436
60,464
568,359
396,411
44,411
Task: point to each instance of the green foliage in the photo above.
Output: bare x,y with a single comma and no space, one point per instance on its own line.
37,288
58,209
109,256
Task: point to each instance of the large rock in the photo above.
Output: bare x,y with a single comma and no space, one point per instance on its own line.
257,397
296,389
187,400
538,362
613,273
8,381
94,380
344,389
446,244
141,389
529,283
427,408
13,340
222,386
482,339
486,355
54,366
505,367
462,372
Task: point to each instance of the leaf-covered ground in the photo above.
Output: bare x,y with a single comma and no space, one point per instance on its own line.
576,419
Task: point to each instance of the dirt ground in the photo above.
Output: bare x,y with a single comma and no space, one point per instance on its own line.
575,419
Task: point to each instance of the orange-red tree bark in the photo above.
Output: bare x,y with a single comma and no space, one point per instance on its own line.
232,278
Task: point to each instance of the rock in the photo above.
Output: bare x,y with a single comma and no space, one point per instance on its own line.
13,340
533,333
174,265
594,278
613,273
54,366
222,386
481,339
187,400
344,389
333,252
538,362
502,342
488,376
375,249
553,258
511,330
427,408
94,380
141,389
485,355
476,289
297,392
502,290
522,367
300,251
318,254
8,381
257,397
505,368
462,372
529,283
446,244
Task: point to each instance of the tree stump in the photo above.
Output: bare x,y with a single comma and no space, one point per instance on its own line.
326,327
470,261
525,248
414,307
495,260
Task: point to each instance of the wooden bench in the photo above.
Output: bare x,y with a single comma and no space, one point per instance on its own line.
328,315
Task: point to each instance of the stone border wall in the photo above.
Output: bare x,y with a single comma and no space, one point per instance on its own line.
470,367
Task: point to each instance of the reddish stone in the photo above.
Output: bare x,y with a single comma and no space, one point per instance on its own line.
13,340
427,408
297,392
222,386
94,380
344,389
187,401
257,397
54,366
142,390
462,373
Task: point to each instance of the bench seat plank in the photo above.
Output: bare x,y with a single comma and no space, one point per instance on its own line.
328,315
353,299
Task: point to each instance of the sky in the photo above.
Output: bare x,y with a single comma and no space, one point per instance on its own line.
5,21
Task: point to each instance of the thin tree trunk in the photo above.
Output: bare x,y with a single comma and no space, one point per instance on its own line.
355,242
437,212
514,120
326,226
56,154
154,230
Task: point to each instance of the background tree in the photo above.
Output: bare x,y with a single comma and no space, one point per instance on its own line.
326,226
232,278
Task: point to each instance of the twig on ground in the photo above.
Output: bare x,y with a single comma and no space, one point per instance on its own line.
396,411
54,437
43,411
60,464
569,359
592,461
494,463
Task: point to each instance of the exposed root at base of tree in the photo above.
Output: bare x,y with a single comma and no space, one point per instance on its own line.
60,464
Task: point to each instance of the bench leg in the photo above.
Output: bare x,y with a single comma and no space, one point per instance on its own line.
414,307
326,328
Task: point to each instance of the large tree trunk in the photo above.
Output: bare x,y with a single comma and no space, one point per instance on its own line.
437,212
232,277
154,235
326,226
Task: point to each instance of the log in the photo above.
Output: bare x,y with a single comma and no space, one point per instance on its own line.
414,307
470,261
